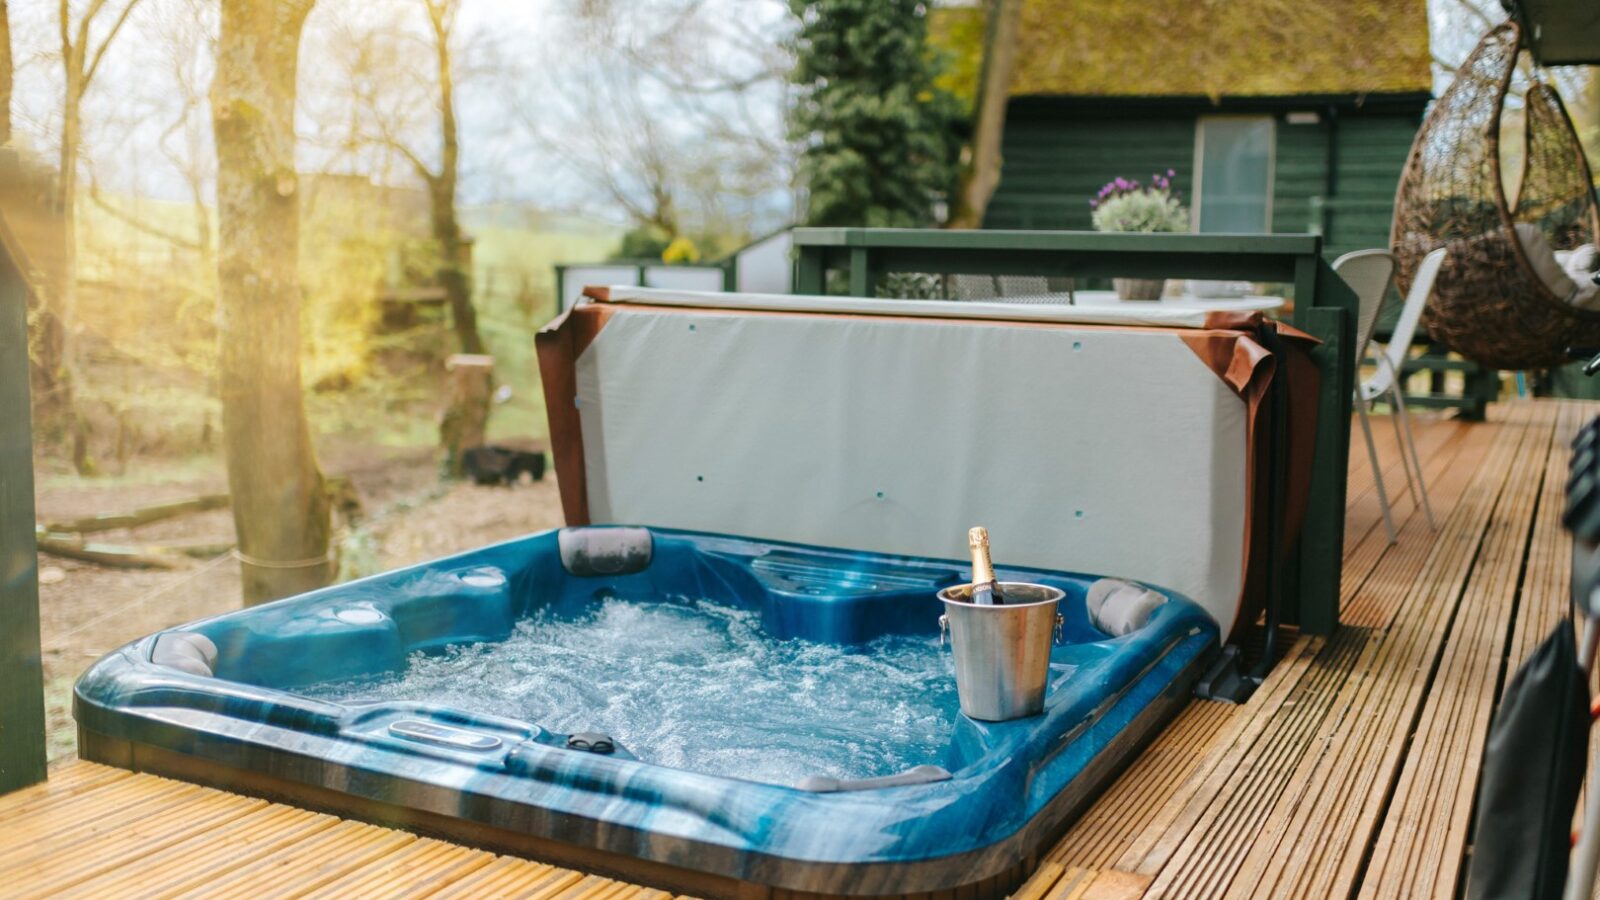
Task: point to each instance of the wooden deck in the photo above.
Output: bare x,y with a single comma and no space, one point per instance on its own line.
1350,773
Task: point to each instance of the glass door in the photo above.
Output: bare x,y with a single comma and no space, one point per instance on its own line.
1233,184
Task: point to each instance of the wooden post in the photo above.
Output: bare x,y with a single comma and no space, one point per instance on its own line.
466,417
22,742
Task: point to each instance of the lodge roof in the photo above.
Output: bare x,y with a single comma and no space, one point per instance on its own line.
1210,48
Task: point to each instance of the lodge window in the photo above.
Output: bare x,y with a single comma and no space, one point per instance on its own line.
1233,174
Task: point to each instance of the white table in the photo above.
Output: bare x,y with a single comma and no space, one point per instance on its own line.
1187,302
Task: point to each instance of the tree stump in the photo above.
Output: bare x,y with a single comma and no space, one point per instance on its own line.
466,415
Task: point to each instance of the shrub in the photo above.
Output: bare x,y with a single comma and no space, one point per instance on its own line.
1124,205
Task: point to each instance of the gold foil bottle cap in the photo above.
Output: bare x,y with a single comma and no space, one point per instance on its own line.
982,565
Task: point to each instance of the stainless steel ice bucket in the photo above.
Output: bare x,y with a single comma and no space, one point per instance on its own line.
1002,652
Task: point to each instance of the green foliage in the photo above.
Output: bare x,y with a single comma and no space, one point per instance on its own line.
956,34
877,135
644,242
681,250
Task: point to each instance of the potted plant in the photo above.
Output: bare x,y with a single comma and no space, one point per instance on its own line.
1124,205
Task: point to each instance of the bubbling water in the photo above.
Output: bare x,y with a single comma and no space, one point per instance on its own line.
699,686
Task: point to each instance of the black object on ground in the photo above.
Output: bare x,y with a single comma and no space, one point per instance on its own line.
1533,768
491,464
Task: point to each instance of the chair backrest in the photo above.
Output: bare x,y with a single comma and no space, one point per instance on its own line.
1405,328
1368,272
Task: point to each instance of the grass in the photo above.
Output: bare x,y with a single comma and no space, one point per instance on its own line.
152,384
514,279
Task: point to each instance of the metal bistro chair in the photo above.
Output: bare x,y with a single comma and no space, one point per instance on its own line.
1387,383
1369,272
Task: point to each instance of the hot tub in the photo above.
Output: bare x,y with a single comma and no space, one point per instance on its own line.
776,714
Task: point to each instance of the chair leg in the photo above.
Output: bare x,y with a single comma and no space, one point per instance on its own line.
1400,444
1416,463
1377,470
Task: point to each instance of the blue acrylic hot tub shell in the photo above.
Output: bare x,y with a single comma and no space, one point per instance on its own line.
1013,784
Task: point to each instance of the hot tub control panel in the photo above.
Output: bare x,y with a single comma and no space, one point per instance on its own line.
443,735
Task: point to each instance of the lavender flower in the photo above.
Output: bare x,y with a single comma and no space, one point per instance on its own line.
1125,204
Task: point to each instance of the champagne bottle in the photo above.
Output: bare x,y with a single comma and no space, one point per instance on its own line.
985,590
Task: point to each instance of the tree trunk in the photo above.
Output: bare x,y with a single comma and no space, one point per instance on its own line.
64,355
280,509
452,274
464,424
7,71
982,174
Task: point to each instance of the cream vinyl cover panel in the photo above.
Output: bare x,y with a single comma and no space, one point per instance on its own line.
1102,451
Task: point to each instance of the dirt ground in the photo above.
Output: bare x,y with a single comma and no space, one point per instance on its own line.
88,610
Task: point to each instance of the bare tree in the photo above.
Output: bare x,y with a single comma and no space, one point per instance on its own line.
184,32
627,152
981,174
671,109
280,506
384,108
7,72
188,42
81,57
452,276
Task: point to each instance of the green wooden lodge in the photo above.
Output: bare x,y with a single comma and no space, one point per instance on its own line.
1275,118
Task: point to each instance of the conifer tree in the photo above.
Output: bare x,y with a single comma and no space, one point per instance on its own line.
878,141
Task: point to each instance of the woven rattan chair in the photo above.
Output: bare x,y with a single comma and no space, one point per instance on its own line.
1489,303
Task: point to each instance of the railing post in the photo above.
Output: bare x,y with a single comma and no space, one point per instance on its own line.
809,271
1330,318
22,736
863,281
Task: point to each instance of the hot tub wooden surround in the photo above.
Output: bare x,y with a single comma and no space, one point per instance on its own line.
1350,773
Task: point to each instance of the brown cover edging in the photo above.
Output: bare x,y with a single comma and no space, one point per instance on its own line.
1229,349
558,345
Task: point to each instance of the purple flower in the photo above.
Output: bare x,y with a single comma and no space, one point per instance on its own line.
1171,173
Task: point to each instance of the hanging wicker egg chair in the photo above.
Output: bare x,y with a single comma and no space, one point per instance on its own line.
1489,302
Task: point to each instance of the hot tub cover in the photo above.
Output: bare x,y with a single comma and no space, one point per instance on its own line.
888,425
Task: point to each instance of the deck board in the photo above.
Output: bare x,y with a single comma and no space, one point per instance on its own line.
1349,773
1343,789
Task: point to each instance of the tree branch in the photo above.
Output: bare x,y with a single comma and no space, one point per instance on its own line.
389,142
139,224
116,26
63,20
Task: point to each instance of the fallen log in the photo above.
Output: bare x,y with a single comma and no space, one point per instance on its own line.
115,555
199,550
142,516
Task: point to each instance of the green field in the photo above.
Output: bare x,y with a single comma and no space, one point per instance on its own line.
147,304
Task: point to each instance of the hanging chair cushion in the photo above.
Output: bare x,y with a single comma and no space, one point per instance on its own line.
1553,270
1581,265
1582,262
